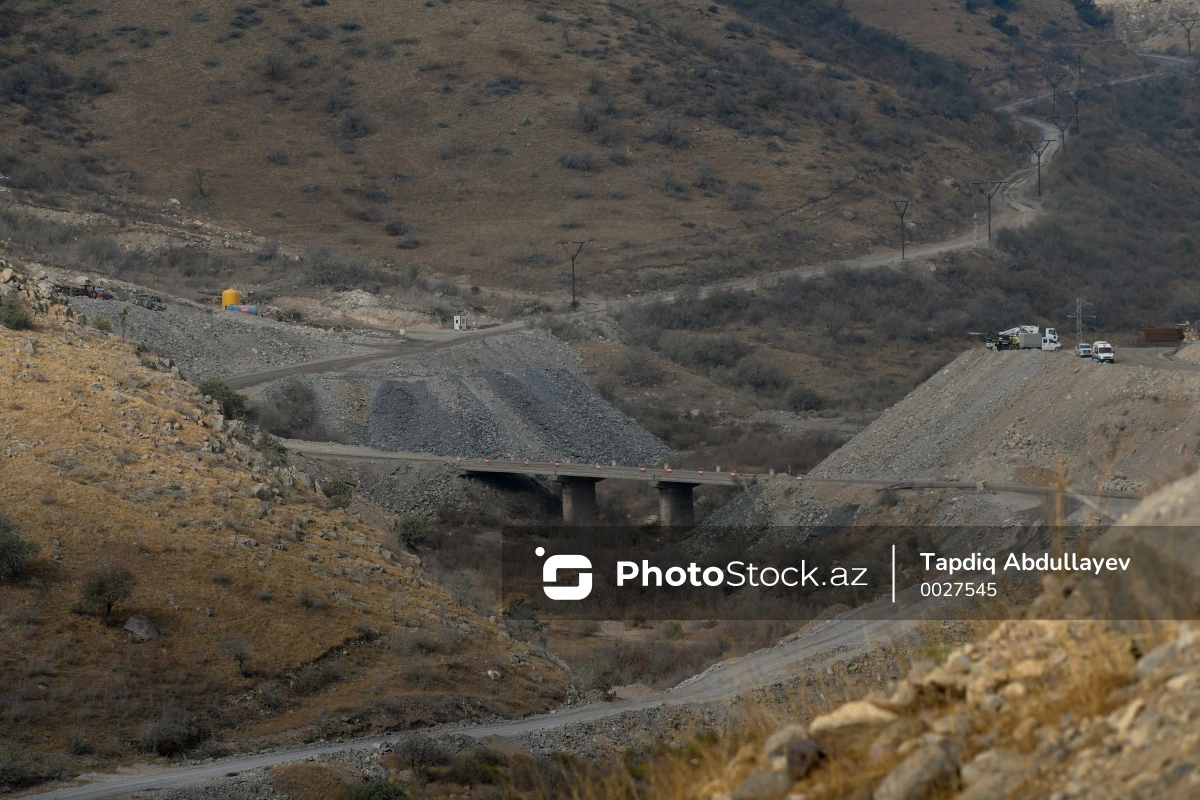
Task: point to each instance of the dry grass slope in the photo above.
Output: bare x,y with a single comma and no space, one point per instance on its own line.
278,613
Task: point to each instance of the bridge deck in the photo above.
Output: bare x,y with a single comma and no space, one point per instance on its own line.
604,471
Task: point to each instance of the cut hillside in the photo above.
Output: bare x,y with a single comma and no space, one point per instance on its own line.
511,396
685,140
262,613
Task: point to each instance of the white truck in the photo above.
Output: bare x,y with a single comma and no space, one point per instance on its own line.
1024,337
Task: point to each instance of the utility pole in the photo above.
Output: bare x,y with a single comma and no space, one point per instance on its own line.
1075,96
1054,79
902,209
1187,25
573,256
1079,317
1062,123
1038,146
989,193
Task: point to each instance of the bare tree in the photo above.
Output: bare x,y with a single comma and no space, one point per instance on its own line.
199,176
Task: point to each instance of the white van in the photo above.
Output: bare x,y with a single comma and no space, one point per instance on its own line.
1103,352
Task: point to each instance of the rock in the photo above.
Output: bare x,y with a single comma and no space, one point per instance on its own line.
262,491
6,276
30,349
493,674
952,725
776,743
141,629
1156,659
848,215
859,714
790,750
926,770
762,784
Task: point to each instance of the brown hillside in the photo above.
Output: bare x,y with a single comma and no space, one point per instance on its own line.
277,614
685,141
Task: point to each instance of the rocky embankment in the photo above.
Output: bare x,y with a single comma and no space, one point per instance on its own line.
219,344
512,396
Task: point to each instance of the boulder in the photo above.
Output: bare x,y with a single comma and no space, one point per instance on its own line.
141,629
925,771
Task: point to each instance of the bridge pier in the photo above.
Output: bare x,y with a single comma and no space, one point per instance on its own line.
675,503
578,499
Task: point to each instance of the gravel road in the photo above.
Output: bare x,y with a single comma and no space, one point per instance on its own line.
215,344
860,631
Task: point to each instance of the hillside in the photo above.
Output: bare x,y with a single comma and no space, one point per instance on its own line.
467,138
267,614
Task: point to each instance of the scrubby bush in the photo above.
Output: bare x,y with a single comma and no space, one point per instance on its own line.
292,411
102,323
13,314
338,492
803,399
412,532
103,588
234,405
15,552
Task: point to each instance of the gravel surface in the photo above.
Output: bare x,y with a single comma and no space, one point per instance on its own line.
512,396
217,344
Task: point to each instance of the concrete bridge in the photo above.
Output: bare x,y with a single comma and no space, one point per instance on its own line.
578,484
578,481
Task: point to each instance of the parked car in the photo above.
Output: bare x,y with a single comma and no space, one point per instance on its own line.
1083,350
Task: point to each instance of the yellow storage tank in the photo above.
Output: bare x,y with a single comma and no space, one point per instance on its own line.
230,297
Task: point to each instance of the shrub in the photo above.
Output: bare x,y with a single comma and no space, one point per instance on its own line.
103,588
308,599
233,404
419,752
356,124
292,411
171,733
102,323
15,771
13,314
760,374
412,532
804,399
14,551
373,790
339,493
581,160
396,227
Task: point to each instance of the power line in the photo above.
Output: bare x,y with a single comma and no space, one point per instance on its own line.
989,193
1038,147
573,256
1187,25
1054,79
1062,123
1079,317
902,209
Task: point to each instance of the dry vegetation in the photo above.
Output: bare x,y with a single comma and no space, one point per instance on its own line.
280,615
468,137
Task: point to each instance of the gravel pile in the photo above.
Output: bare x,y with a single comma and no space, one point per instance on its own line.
218,344
513,396
915,437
